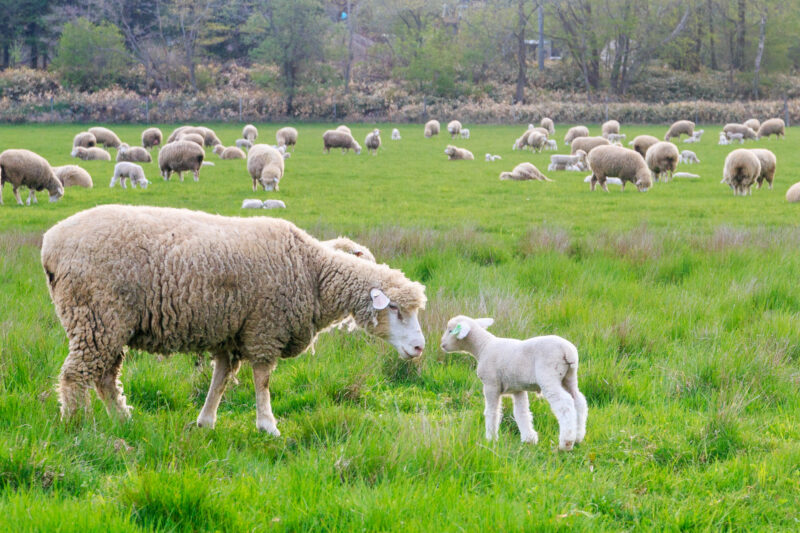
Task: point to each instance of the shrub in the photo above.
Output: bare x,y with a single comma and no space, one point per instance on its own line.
90,56
23,81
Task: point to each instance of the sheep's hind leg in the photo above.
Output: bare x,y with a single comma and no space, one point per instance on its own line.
109,389
16,195
563,407
265,420
522,414
570,383
32,197
491,412
222,369
73,386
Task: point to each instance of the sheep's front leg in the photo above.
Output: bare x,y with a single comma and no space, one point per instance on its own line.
265,420
16,195
208,415
491,412
524,418
32,197
563,406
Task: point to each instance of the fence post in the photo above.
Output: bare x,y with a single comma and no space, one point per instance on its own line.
240,109
424,107
606,100
334,110
786,109
51,105
147,110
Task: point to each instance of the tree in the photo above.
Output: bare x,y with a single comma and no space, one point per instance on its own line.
523,17
90,56
190,18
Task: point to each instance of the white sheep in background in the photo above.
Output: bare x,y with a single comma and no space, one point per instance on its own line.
695,138
610,181
266,204
733,137
490,157
550,144
723,139
465,133
396,134
685,175
243,144
563,162
615,137
126,170
514,367
689,157
454,129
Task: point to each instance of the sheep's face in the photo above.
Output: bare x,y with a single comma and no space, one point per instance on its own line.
456,334
357,148
59,192
78,152
450,150
643,180
398,326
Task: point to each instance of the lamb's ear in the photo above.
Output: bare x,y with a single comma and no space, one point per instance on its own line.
379,299
461,330
484,322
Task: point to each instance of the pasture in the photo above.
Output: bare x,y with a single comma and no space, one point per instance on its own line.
683,302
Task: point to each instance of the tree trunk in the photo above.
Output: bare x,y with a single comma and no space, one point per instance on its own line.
6,56
712,43
522,71
348,66
761,37
740,31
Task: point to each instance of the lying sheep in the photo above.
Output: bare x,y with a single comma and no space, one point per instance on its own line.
465,133
84,139
73,176
255,289
243,144
395,134
688,157
623,163
23,168
287,136
608,128
131,172
194,138
742,169
266,204
514,367
135,154
491,158
744,131
685,175
575,132
609,181
90,154
768,163
695,138
105,136
793,194
561,162
642,143
348,246
431,128
266,167
453,128
662,158
250,132
752,123
180,156
339,139
550,144
547,123
524,172
773,126
230,152
587,144
373,141
681,127
151,137
454,153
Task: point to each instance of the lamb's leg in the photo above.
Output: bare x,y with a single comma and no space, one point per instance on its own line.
109,389
265,420
522,414
222,368
570,383
491,412
563,406
180,175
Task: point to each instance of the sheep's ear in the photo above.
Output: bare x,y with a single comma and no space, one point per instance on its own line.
379,299
461,330
484,322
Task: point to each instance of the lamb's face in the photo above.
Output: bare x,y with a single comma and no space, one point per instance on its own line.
399,327
78,152
450,150
456,333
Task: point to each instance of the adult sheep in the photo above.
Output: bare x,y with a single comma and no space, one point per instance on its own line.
454,153
151,137
431,128
180,156
133,154
453,128
547,123
745,131
768,165
609,127
373,141
266,167
619,162
194,138
773,126
642,143
524,172
23,168
681,127
90,154
587,144
105,136
73,176
84,139
252,289
286,136
536,140
662,158
339,139
742,169
230,152
793,194
250,132
752,123
575,132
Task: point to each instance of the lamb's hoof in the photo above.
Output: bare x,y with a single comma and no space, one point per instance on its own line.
566,445
206,422
531,439
268,427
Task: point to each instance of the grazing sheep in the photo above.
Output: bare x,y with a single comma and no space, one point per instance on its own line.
522,141
793,194
643,142
250,132
742,169
231,152
454,153
547,123
135,154
575,132
287,136
609,127
432,128
514,367
180,156
343,244
773,126
550,144
619,162
243,144
587,144
491,158
151,137
524,172
105,136
768,163
342,127
209,136
454,128
254,289
23,168
265,165
561,162
615,137
177,133
536,141
723,139
194,138
373,141
129,171
662,158
396,134
681,127
464,133
745,132
733,137
752,123
688,157
84,139
90,154
339,139
73,176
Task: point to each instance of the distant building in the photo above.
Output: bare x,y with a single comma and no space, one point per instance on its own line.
552,51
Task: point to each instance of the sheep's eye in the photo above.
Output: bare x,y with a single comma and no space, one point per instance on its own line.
394,307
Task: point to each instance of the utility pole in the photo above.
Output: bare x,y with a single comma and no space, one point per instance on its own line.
541,35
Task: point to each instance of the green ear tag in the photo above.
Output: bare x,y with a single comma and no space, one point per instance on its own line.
457,329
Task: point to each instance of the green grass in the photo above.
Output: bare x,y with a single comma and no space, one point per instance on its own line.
683,303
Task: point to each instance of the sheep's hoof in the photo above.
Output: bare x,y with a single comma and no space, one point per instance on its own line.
531,439
268,427
566,445
206,422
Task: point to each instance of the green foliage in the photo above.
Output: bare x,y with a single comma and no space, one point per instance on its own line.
428,62
90,56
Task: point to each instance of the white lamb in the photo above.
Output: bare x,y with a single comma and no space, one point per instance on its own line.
685,175
723,139
733,137
514,367
550,144
612,181
395,134
130,171
464,133
689,157
695,138
615,137
490,157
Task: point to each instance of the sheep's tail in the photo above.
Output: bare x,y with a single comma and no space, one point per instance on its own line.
2,178
570,380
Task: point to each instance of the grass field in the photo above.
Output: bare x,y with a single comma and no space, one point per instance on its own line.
683,303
